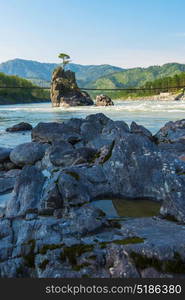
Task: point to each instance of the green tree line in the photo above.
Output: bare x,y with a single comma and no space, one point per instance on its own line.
164,83
16,95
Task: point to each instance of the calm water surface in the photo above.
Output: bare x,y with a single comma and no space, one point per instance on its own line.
151,114
127,208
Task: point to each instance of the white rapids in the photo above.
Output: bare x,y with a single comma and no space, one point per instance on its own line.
151,114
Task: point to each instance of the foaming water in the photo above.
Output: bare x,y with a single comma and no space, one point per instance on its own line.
151,114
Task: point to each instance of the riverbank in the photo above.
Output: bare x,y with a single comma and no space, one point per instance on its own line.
56,179
10,101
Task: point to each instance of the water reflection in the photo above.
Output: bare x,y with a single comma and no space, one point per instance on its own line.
116,208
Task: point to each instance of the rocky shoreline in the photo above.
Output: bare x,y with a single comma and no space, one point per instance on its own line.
48,226
162,97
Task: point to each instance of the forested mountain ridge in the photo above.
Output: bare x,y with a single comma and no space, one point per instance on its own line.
91,76
154,87
137,77
95,76
42,71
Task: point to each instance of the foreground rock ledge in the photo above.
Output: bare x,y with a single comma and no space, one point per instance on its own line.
48,227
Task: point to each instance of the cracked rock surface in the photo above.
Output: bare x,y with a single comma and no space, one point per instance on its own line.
48,225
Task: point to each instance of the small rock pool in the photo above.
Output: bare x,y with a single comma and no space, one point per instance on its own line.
127,208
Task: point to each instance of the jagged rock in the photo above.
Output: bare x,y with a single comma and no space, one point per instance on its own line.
139,129
27,153
161,240
51,197
120,262
172,132
71,157
175,149
50,228
6,184
27,192
7,180
50,132
85,220
100,118
10,269
103,100
171,139
57,150
8,165
153,273
65,92
135,159
123,155
20,127
74,123
13,173
92,126
72,188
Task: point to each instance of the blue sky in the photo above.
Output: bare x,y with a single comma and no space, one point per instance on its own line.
125,33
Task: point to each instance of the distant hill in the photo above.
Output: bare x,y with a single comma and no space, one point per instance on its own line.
137,76
151,88
16,95
93,76
37,71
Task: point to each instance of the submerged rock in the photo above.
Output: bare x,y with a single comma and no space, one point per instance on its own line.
20,127
65,92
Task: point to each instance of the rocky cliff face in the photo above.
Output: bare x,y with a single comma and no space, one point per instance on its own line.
65,91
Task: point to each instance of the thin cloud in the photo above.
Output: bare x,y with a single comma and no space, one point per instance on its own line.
180,34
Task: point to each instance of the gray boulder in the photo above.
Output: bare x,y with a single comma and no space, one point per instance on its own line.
51,132
71,157
57,150
4,154
27,153
93,126
135,159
